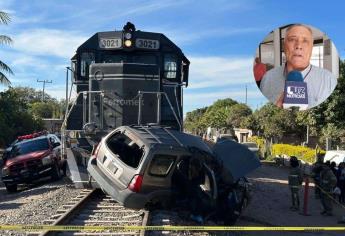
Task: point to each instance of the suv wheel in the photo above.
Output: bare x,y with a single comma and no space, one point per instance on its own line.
11,188
55,172
234,211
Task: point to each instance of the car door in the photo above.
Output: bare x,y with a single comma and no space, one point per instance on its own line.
158,175
209,186
236,159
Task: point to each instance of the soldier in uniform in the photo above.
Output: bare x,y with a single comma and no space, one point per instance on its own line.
327,182
295,182
316,174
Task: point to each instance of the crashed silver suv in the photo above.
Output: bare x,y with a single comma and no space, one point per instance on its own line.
142,167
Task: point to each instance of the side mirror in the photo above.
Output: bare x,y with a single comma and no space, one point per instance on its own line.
56,144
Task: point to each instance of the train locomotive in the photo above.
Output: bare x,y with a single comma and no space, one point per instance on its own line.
121,77
124,131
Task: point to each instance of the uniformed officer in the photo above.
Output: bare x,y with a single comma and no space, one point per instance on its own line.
316,174
295,182
327,182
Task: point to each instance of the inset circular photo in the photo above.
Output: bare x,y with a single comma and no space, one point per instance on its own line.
296,65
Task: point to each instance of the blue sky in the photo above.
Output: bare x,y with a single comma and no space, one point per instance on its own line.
219,38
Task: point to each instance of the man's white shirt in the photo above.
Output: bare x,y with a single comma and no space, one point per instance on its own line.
320,83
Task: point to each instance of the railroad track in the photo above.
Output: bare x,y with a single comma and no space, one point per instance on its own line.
94,208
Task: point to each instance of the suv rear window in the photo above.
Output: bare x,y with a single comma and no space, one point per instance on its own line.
161,164
125,149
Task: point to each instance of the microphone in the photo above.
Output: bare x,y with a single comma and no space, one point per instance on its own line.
295,91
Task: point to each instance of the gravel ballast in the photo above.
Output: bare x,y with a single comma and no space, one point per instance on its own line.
33,204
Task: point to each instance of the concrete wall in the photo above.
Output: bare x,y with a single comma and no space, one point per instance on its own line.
52,125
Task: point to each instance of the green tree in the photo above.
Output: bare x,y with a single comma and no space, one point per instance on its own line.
50,108
308,118
223,103
46,109
274,122
5,19
215,118
250,122
237,114
331,120
217,114
192,121
31,95
14,117
42,109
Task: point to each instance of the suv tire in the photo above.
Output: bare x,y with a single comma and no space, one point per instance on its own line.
55,172
11,188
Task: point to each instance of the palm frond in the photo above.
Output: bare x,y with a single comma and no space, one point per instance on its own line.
5,68
4,80
5,40
4,18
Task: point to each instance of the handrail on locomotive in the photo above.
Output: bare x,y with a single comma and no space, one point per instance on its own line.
100,127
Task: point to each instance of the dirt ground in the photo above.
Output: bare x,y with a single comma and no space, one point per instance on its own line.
271,202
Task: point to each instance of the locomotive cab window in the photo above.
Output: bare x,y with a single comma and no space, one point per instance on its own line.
170,66
161,165
125,149
87,58
73,69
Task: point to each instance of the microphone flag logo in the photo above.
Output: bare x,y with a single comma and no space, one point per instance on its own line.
295,92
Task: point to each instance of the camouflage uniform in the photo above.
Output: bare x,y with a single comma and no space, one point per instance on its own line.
295,182
327,182
316,176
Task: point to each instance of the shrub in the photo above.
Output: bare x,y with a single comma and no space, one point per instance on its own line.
303,153
261,144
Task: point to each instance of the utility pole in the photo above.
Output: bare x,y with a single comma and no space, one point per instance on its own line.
246,94
307,134
44,85
67,98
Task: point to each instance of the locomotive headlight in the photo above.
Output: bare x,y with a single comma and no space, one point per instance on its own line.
128,35
5,171
128,43
46,160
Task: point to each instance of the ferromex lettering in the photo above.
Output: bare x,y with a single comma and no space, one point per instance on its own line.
122,102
